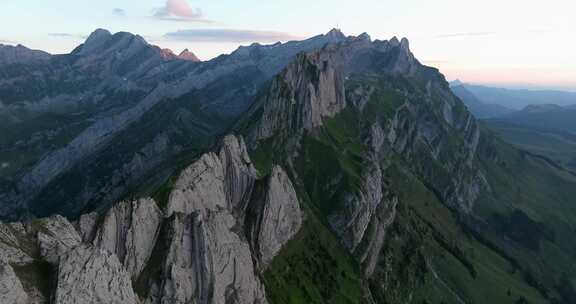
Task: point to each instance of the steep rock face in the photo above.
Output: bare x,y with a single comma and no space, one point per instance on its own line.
278,216
360,207
427,143
207,204
90,275
86,226
308,90
215,181
11,290
239,170
207,262
130,230
375,236
199,187
14,244
56,236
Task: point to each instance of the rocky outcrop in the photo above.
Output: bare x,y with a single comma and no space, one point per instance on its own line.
222,181
375,235
11,290
239,170
130,230
199,187
86,226
15,248
56,236
198,253
90,275
187,55
207,262
207,207
359,208
278,216
309,89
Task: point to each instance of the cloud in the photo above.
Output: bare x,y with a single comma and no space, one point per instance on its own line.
468,34
119,12
229,35
2,41
67,35
179,10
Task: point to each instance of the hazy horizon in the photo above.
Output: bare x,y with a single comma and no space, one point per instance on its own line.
523,45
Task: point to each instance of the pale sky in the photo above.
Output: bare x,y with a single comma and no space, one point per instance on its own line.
506,42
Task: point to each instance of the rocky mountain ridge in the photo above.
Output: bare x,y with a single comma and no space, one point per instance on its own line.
104,89
191,251
20,54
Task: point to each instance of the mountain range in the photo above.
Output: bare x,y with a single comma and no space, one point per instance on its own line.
514,99
336,169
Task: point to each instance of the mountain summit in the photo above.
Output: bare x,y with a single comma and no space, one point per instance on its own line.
187,55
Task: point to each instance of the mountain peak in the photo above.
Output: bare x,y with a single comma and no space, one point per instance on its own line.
98,35
335,34
187,55
456,82
405,44
94,41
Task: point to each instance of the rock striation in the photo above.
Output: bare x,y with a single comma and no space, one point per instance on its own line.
195,252
130,229
278,216
11,289
92,275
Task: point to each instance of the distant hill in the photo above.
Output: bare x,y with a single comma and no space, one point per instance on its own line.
548,117
518,99
557,146
480,109
547,130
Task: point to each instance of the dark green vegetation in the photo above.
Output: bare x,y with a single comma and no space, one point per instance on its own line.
313,268
531,217
433,257
555,145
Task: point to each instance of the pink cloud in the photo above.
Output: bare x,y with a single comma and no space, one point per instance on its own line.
179,10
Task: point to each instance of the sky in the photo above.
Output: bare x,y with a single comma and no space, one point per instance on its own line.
510,43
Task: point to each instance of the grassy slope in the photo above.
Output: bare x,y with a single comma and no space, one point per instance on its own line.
559,147
459,266
545,194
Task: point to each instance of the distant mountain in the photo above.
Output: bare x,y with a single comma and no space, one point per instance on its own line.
517,99
548,130
547,117
20,54
557,146
187,55
127,106
478,108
